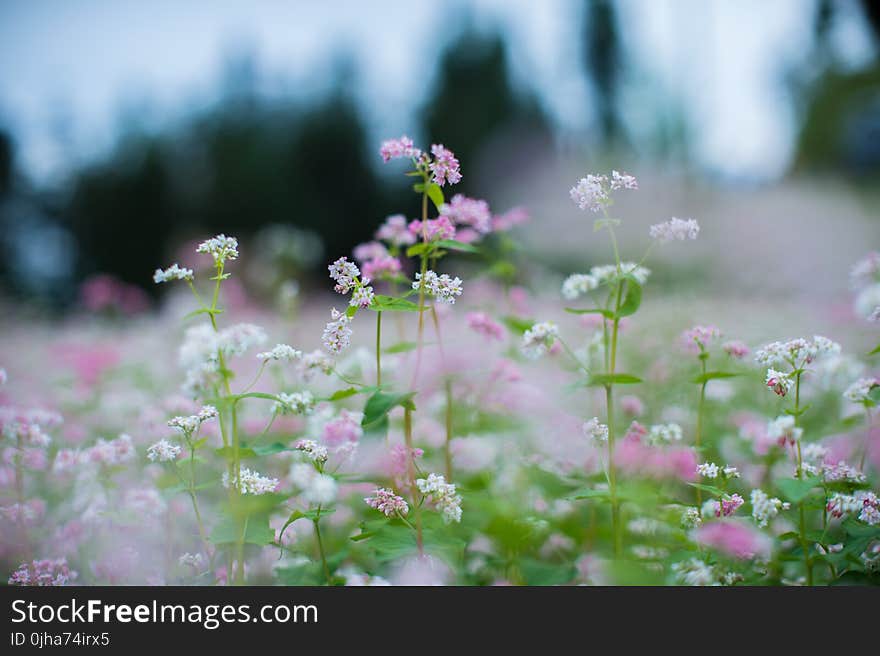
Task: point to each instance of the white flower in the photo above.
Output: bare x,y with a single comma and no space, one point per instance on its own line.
295,403
765,508
280,352
708,470
590,192
221,247
694,572
691,518
782,430
189,425
680,229
316,361
314,451
538,339
577,285
252,482
443,288
174,272
796,352
321,489
606,273
595,430
443,495
779,382
163,451
337,333
664,433
860,391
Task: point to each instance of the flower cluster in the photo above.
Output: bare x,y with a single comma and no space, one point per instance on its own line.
43,573
191,424
442,495
593,192
464,211
699,338
483,324
251,482
174,272
675,228
294,403
399,148
163,451
314,451
735,349
796,352
445,167
595,430
280,352
396,231
663,434
442,287
860,390
538,339
221,248
711,470
764,507
337,332
347,277
578,284
388,503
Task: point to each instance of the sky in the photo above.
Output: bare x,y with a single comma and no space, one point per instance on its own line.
71,72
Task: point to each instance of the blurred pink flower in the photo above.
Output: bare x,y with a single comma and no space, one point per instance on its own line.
734,539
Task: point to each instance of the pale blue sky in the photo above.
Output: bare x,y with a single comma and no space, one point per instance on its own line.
69,69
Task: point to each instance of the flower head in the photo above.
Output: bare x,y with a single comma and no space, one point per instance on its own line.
337,332
221,247
462,210
675,228
860,390
174,272
388,503
538,339
779,382
280,352
163,451
595,430
764,507
251,482
442,495
483,324
443,288
578,284
397,148
444,167
395,231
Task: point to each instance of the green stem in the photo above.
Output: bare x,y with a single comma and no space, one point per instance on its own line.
324,565
447,453
407,436
699,429
378,349
802,523
609,409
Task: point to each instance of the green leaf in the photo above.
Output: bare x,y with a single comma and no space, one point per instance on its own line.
338,395
435,193
598,224
713,375
401,347
517,324
453,245
381,403
255,395
418,249
229,453
612,379
632,298
383,303
269,449
350,311
875,350
255,528
711,489
608,314
796,489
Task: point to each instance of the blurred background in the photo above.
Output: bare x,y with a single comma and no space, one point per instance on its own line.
128,129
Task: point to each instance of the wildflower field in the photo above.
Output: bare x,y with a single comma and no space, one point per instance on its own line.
440,413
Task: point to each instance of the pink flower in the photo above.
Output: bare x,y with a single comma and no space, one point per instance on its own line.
345,428
395,231
632,405
433,229
445,167
510,219
659,462
465,211
396,148
388,503
381,267
370,250
483,324
736,349
734,539
43,573
699,338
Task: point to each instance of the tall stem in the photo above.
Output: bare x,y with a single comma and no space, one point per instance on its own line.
324,565
609,409
423,270
802,524
447,453
699,429
378,349
411,472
